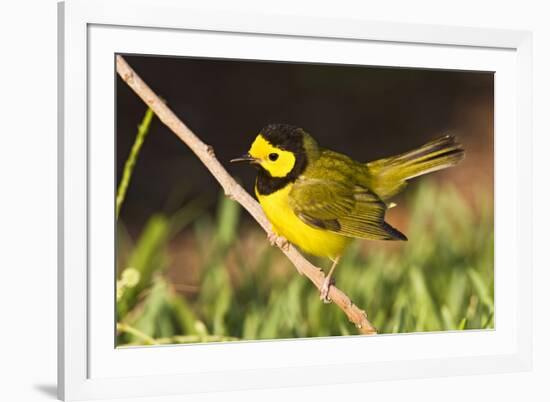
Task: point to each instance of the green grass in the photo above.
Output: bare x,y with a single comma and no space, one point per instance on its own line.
441,279
143,130
240,288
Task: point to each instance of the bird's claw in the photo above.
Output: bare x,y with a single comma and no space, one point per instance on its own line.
278,241
325,289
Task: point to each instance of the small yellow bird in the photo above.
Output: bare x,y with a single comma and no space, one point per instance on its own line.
320,200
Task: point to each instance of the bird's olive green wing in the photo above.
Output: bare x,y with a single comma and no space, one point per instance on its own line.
342,207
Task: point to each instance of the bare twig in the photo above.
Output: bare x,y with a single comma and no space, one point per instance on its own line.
234,191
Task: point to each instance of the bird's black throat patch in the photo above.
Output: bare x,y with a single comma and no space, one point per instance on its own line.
289,138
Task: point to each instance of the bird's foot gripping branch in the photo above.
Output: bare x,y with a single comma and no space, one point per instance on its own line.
233,190
278,241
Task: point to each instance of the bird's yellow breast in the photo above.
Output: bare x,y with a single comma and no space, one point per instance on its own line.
285,223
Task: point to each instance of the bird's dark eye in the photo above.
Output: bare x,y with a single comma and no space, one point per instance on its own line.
273,157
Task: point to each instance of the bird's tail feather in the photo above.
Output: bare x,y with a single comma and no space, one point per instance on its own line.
390,175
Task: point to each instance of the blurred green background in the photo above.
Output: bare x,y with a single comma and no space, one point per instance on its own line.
193,267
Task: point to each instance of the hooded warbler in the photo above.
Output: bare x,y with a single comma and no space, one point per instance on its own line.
320,200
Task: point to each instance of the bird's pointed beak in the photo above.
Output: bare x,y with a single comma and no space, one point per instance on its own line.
245,158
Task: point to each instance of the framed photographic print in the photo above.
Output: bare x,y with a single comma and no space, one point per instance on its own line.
256,201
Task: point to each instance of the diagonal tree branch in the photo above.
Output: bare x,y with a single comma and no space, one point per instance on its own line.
233,190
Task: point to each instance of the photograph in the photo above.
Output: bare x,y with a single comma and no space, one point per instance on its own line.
382,177
270,201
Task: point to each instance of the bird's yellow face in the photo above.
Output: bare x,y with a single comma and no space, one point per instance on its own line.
276,161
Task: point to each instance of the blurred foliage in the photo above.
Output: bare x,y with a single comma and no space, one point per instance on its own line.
243,289
441,279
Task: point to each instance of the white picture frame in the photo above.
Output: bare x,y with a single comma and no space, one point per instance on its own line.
91,32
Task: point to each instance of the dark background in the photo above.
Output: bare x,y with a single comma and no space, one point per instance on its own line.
365,112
